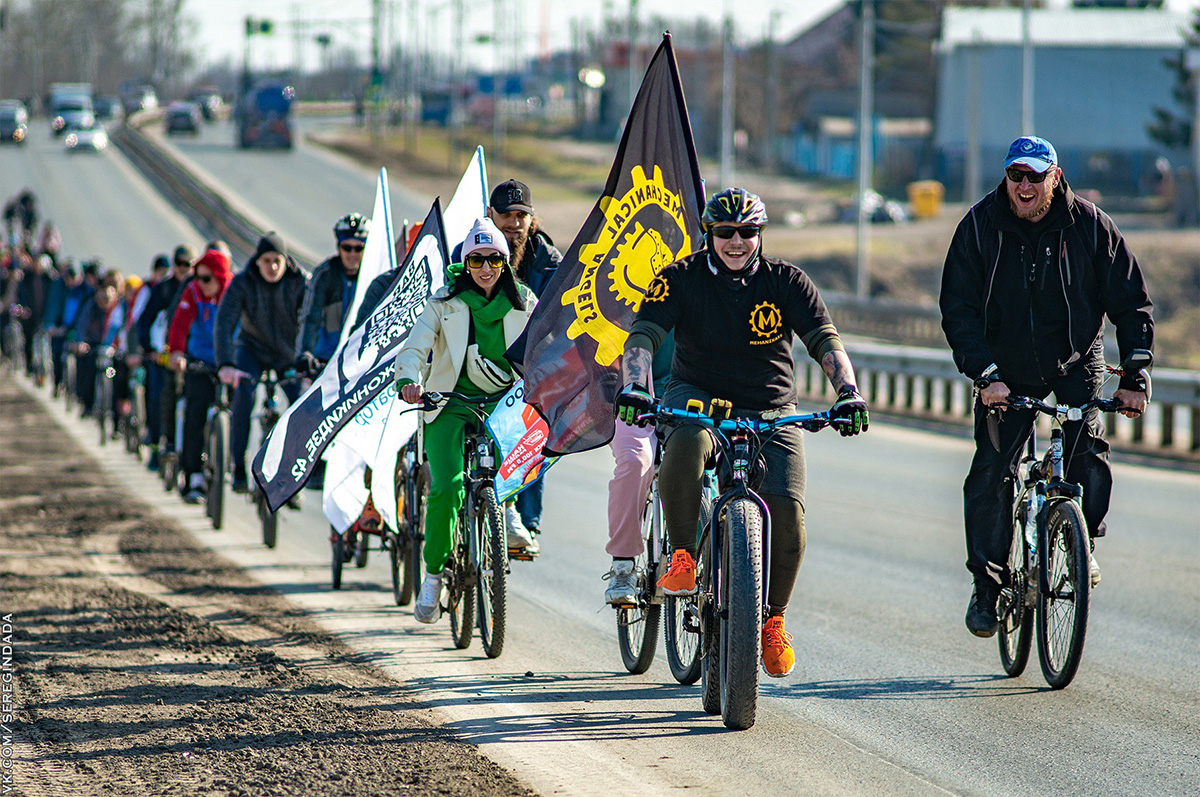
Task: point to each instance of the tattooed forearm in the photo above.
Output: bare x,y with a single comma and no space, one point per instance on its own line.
635,367
838,370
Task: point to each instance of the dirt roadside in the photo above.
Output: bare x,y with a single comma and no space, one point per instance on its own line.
142,664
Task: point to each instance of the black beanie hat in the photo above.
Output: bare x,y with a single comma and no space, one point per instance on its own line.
271,242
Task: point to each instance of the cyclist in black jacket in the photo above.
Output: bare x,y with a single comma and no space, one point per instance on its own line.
1032,271
735,313
262,306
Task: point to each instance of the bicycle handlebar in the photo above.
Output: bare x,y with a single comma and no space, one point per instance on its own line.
812,422
1060,411
431,400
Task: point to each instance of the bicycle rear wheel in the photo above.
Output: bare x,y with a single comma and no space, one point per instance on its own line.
398,545
491,550
216,467
741,627
637,626
1063,610
1013,609
682,630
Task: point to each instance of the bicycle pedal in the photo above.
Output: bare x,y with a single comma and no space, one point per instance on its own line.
521,554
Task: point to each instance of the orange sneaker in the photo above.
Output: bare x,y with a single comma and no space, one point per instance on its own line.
778,658
681,575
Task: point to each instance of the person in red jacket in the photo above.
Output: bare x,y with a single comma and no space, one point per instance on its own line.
191,336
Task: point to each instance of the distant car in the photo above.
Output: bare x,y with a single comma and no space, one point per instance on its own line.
14,122
108,108
209,100
182,117
143,98
89,139
71,112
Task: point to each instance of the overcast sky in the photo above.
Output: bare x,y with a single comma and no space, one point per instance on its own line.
545,24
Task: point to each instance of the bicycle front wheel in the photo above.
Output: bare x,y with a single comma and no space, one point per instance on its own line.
1013,608
637,625
741,626
270,525
491,550
462,587
103,402
218,459
1063,609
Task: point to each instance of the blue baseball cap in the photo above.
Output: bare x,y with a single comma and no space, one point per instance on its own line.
1036,153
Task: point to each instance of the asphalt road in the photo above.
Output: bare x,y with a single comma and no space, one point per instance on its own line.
891,694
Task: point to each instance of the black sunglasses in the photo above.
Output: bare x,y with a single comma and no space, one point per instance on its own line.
1017,175
479,261
351,247
182,264
205,278
746,233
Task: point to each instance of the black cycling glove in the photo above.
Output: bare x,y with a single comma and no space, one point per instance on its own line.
633,401
852,407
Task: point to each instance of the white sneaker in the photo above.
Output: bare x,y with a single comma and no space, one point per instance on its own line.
518,535
1093,569
428,608
621,588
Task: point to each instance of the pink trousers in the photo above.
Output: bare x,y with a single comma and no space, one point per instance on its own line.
633,449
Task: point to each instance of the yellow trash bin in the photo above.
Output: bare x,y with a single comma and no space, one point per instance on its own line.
926,196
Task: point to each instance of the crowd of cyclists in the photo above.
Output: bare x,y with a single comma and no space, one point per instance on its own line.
718,325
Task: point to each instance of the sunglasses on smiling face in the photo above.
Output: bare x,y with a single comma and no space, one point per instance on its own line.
351,247
479,261
1017,175
746,233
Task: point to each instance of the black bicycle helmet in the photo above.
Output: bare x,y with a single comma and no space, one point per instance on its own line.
352,226
736,205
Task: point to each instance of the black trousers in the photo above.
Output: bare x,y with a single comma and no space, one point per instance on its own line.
990,487
200,391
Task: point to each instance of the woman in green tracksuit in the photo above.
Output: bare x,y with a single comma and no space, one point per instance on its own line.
484,303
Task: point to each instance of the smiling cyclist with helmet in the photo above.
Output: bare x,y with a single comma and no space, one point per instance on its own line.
735,313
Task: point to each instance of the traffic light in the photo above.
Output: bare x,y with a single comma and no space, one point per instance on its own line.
254,26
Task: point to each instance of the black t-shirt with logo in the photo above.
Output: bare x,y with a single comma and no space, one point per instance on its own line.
735,340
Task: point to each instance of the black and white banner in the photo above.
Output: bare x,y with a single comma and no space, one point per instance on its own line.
362,368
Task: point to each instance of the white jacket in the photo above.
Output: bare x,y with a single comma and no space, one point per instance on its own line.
443,329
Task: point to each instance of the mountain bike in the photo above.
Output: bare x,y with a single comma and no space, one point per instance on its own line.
69,378
102,405
267,418
215,458
133,422
404,543
43,360
171,434
1048,559
734,559
477,571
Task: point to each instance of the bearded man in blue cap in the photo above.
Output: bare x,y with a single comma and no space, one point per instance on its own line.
1031,273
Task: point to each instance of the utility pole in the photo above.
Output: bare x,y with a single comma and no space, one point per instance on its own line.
1026,69
727,164
772,92
866,105
376,71
497,155
632,50
973,183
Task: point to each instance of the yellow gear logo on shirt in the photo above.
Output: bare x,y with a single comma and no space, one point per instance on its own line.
766,322
657,291
632,245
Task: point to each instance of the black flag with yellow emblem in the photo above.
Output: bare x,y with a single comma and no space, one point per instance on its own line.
648,217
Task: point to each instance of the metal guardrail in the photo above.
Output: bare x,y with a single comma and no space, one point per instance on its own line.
204,204
924,383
